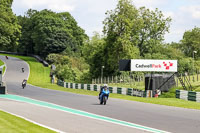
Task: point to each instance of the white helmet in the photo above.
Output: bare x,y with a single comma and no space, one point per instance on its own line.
105,85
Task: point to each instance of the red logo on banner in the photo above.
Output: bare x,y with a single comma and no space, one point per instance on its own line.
167,66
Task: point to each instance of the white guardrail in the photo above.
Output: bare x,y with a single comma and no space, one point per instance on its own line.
94,87
188,95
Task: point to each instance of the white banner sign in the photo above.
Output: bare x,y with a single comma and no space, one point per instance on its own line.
154,65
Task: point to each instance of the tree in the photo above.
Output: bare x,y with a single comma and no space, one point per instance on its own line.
9,27
93,52
26,44
120,42
191,42
152,28
71,69
50,32
132,33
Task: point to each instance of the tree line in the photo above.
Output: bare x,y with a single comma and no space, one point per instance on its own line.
128,33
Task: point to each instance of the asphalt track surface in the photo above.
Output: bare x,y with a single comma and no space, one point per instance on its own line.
171,119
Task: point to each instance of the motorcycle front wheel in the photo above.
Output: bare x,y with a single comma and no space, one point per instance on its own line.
104,100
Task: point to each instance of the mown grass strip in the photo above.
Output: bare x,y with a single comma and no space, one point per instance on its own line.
2,63
39,76
13,124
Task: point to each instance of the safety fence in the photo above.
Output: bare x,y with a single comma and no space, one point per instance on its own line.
135,81
94,87
188,95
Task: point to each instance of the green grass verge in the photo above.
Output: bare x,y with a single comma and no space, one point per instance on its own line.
39,76
2,63
136,85
13,124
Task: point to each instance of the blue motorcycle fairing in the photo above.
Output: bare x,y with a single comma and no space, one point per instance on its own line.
104,93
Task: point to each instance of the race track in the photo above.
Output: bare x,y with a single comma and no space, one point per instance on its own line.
171,119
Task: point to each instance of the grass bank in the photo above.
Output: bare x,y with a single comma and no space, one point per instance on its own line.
39,76
2,63
13,124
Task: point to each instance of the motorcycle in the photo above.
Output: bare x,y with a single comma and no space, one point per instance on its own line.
24,83
104,96
23,70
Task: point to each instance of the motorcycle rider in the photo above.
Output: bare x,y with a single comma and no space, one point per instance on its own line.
22,69
24,83
105,86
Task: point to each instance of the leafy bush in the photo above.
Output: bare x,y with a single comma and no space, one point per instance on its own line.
70,69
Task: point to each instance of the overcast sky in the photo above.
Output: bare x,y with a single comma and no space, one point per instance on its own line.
89,14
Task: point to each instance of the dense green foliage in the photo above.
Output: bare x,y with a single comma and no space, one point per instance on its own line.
48,32
191,42
128,33
190,47
9,27
93,52
131,33
120,30
70,69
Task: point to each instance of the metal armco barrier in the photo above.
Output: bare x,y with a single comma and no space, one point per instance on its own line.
76,86
93,87
119,90
82,86
111,89
129,91
67,85
188,95
88,87
71,85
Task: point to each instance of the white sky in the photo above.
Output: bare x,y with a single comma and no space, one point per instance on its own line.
90,13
